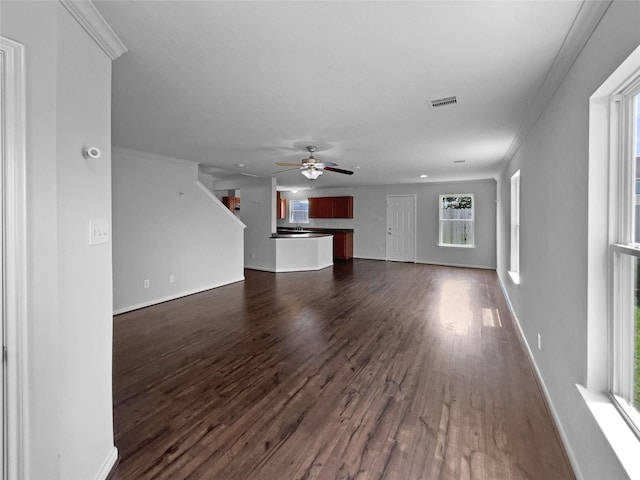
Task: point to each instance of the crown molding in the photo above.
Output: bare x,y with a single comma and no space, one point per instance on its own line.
89,18
586,21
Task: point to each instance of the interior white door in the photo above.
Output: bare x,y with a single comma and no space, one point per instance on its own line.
401,228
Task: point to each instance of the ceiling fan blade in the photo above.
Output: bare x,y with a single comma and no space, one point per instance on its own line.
289,164
325,164
339,170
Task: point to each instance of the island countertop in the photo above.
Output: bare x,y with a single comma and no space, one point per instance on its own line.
299,235
328,231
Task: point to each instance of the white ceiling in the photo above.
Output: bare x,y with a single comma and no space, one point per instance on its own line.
253,83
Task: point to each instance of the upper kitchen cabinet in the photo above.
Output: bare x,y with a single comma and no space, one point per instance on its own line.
342,207
232,203
331,207
281,207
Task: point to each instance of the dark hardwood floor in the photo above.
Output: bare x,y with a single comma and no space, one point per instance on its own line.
367,370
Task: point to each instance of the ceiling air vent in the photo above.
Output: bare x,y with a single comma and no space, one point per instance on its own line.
443,102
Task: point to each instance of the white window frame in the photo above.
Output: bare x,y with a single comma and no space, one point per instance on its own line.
291,211
514,270
623,253
441,221
602,211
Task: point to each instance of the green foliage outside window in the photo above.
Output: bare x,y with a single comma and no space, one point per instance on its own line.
456,202
636,366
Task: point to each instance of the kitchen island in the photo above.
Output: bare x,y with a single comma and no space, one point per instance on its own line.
301,251
342,239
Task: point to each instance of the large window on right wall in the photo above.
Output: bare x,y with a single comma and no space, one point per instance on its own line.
457,227
625,260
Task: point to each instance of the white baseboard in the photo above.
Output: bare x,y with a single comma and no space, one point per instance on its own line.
545,391
174,296
260,268
108,464
460,265
285,270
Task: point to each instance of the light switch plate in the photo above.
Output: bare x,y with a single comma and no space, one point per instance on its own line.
98,232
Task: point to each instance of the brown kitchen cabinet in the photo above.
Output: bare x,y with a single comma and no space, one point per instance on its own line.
320,207
232,203
343,246
331,207
281,207
342,207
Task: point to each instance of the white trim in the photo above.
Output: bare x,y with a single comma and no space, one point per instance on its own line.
473,220
218,202
15,263
624,443
168,298
514,230
287,270
90,19
108,464
584,24
440,264
556,418
382,259
458,265
290,209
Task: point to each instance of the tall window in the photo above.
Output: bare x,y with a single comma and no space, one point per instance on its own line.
514,270
457,220
299,211
625,264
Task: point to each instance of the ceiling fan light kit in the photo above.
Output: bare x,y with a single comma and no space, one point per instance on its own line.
311,173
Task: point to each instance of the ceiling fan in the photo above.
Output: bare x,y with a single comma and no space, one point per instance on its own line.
312,168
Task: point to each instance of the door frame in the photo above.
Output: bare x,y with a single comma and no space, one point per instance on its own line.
415,226
14,266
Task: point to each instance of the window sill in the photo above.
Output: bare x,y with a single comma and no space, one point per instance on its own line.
515,277
453,245
619,435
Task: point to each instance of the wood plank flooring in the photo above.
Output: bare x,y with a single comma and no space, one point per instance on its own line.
367,370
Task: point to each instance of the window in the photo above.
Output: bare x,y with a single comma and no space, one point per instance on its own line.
611,262
299,211
625,253
514,270
456,220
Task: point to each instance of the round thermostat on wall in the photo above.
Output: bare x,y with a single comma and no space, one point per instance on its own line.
92,152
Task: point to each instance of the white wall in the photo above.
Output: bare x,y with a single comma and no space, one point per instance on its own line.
69,412
165,224
258,213
552,297
84,276
370,220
